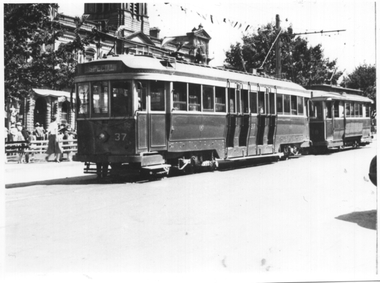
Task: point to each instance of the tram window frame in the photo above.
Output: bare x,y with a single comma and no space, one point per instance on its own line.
272,103
84,102
194,97
300,109
142,92
157,96
253,102
356,109
367,110
336,109
293,105
232,100
352,112
121,98
360,110
208,98
244,101
180,96
261,102
101,108
347,109
287,104
306,102
280,103
220,99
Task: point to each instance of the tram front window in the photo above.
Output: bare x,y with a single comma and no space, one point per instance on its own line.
100,99
121,98
82,98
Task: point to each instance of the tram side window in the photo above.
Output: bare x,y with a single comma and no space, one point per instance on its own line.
220,99
352,112
142,92
100,99
244,101
287,104
194,97
231,100
253,102
293,104
367,110
121,98
157,96
208,98
280,106
271,103
180,96
348,113
356,109
261,102
336,109
360,110
82,99
300,105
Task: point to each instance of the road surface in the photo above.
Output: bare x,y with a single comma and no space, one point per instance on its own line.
310,218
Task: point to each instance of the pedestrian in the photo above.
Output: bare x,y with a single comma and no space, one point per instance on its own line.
54,146
23,131
18,137
39,132
13,132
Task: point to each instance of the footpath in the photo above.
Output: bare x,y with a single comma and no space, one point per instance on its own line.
19,174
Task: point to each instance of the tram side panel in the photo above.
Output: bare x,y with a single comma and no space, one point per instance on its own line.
197,132
292,131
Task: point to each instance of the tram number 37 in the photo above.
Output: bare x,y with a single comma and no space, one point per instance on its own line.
120,136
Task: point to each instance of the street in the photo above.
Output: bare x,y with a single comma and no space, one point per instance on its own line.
312,217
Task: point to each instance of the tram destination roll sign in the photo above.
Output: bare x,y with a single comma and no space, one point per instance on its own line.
101,68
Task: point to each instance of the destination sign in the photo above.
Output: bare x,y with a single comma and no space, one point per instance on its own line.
100,68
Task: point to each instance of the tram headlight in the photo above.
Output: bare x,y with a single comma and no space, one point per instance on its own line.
103,136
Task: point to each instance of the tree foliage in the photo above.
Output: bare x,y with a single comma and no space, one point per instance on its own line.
363,78
300,63
31,57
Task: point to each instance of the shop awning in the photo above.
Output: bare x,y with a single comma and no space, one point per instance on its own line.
50,92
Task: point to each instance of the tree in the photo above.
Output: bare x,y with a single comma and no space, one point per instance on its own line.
363,78
28,30
31,59
301,64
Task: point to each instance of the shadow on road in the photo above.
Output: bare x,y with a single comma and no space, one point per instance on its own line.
62,181
365,219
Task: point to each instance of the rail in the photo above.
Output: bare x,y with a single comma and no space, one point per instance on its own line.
24,151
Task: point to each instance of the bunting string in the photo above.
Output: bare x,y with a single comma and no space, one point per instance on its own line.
213,19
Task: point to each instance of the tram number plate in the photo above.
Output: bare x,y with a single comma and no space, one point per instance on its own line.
120,136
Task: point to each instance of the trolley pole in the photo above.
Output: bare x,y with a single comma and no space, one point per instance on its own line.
278,50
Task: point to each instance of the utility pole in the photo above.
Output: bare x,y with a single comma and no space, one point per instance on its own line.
278,50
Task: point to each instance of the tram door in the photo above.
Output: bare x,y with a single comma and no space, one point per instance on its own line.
266,123
329,122
151,116
237,122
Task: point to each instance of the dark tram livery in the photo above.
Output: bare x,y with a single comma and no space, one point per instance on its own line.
339,119
152,114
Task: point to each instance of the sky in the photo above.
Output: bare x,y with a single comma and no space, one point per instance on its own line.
227,21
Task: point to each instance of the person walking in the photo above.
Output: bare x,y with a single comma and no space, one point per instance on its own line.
54,146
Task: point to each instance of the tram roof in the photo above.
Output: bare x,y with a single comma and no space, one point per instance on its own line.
201,72
329,95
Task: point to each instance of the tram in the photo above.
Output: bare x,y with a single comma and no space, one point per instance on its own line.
339,119
139,112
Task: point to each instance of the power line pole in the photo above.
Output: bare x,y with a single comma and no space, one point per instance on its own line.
278,51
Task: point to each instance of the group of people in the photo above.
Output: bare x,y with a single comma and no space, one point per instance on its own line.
55,133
